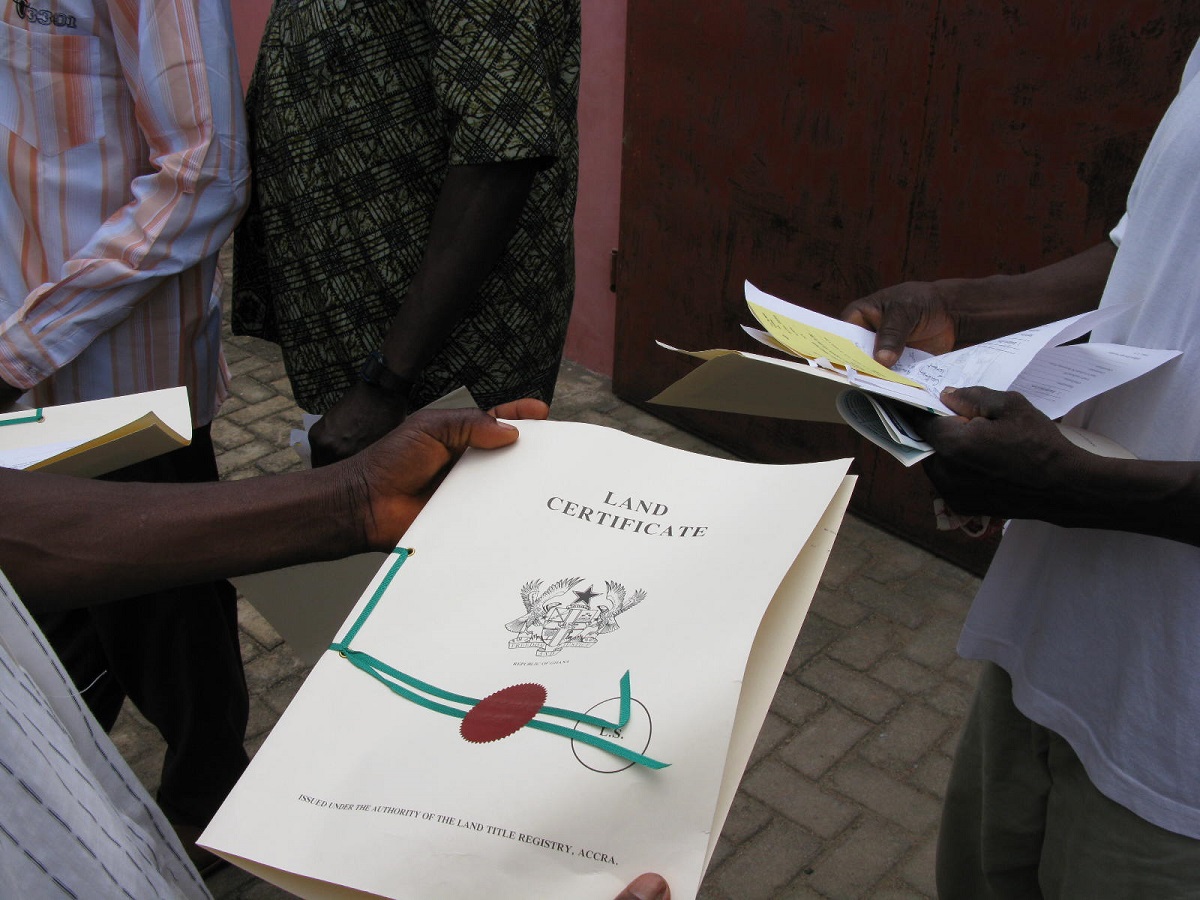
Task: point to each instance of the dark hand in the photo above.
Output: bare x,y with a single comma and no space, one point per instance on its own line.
646,887
999,456
359,419
399,472
913,314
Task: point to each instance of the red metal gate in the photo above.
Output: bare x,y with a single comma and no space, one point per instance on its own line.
826,149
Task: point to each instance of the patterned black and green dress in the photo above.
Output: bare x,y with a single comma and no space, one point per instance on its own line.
357,108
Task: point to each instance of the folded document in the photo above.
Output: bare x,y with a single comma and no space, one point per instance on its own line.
832,376
96,436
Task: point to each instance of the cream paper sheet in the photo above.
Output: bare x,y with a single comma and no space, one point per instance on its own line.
697,561
96,436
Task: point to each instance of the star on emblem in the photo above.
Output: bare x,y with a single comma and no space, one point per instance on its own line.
586,596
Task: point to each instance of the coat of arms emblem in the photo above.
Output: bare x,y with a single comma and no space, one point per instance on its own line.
551,624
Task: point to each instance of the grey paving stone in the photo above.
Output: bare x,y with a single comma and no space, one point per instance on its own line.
898,894
251,649
853,690
816,634
777,786
227,474
859,862
767,862
965,671
271,668
934,644
277,429
795,702
951,698
932,773
882,793
799,891
865,645
774,732
823,742
243,363
747,817
226,434
838,607
918,870
859,532
891,600
231,405
907,737
253,392
846,560
270,404
895,562
710,891
240,457
279,462
905,675
251,622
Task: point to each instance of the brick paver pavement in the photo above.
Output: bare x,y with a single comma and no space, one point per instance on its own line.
842,794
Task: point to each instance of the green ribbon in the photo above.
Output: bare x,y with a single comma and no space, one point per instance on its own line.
400,683
33,416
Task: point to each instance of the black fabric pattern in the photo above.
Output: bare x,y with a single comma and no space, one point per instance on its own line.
357,108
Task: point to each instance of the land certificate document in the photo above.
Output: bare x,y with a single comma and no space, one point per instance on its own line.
553,687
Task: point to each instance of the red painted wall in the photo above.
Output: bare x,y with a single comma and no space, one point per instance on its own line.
601,100
249,17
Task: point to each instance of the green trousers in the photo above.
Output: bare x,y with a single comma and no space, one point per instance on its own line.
1023,820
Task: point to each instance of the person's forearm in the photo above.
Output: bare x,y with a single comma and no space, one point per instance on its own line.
986,308
67,542
476,215
1161,499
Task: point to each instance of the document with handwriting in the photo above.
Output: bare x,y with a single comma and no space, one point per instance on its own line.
831,358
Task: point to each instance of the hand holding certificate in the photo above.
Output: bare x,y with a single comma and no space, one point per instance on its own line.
834,377
553,687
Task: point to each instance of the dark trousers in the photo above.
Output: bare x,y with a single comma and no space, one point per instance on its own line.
176,655
1023,821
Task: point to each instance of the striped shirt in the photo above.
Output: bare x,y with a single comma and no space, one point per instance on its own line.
74,820
123,146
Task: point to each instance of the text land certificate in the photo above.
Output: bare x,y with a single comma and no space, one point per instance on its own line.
557,691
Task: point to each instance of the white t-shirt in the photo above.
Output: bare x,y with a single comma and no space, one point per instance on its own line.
1100,630
74,820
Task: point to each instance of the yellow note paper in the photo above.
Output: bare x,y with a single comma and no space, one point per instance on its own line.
815,343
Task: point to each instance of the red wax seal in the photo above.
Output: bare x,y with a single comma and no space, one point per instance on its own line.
502,713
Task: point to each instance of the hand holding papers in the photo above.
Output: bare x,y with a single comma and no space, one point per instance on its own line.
837,380
579,592
306,603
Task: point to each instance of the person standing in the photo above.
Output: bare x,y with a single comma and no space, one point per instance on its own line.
125,169
411,221
1076,773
